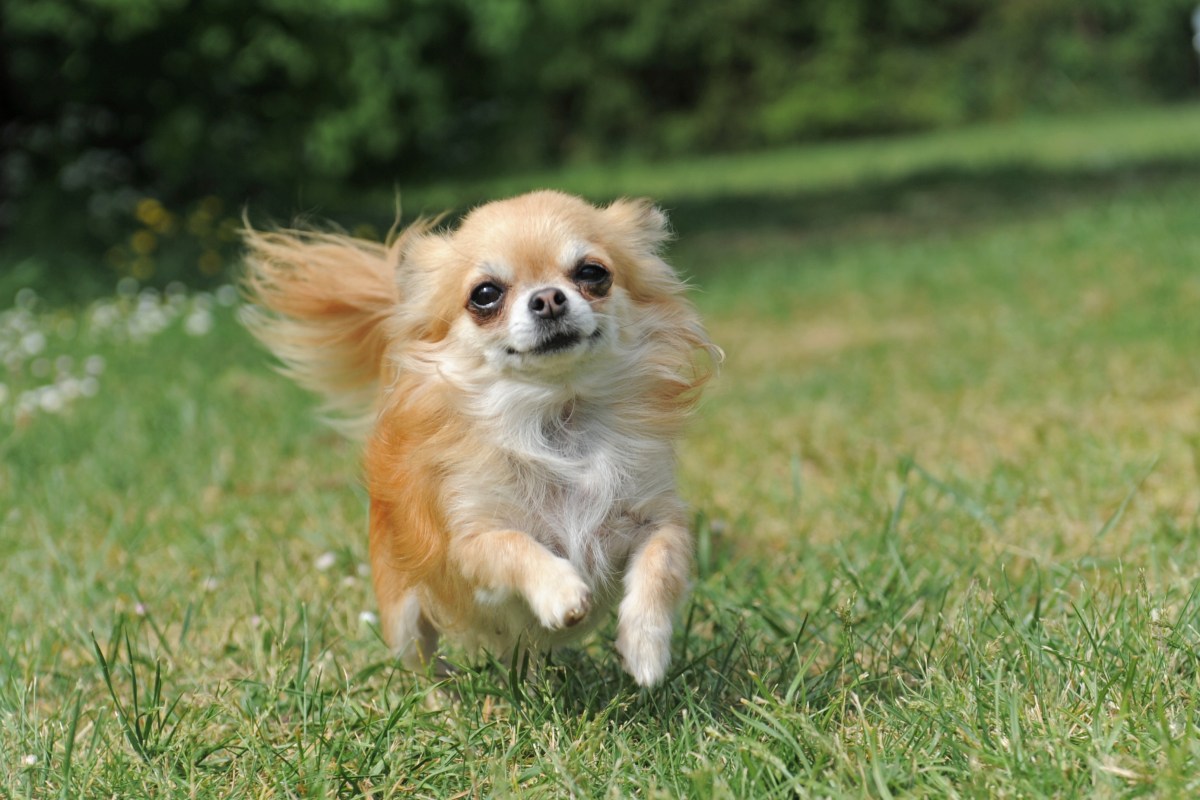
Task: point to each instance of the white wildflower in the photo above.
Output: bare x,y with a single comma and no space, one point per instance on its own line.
105,315
51,399
198,323
325,561
69,387
368,618
26,403
148,320
94,365
227,295
33,343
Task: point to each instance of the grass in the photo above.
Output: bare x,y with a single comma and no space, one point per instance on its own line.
947,496
1099,142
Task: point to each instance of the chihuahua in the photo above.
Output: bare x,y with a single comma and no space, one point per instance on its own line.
522,379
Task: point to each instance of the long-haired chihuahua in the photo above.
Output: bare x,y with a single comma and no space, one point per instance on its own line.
523,378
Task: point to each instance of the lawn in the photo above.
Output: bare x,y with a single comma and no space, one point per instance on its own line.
946,493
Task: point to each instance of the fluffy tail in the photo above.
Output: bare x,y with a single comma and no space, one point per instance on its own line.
324,303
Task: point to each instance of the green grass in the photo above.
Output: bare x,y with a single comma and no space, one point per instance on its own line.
1098,142
947,495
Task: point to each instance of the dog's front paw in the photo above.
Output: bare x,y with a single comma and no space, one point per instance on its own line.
559,598
644,642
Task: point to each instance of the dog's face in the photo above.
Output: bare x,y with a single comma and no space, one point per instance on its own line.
541,290
540,283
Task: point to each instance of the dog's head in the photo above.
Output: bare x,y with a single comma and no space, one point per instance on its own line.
540,284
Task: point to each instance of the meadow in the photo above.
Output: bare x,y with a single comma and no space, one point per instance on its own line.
946,493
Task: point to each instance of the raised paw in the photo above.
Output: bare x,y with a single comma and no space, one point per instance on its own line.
644,642
559,598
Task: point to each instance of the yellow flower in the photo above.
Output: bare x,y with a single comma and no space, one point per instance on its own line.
210,262
142,268
143,242
149,211
166,223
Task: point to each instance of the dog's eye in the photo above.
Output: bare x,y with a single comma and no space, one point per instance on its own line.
593,276
486,296
590,272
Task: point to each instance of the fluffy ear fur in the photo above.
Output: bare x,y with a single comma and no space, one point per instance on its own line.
641,229
644,224
325,304
688,357
425,279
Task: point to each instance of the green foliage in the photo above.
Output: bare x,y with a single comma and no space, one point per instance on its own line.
236,98
291,106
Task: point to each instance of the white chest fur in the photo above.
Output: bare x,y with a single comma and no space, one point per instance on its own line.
575,477
587,487
579,482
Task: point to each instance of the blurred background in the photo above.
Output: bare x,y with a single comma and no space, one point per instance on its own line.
135,132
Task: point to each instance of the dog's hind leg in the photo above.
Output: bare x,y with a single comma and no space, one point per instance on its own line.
408,633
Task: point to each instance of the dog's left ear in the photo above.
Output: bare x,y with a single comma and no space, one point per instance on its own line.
644,226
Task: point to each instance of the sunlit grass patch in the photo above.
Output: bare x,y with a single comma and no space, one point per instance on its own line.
1096,143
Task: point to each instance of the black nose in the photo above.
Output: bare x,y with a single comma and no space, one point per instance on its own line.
548,303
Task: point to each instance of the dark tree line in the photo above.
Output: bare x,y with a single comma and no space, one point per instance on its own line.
107,101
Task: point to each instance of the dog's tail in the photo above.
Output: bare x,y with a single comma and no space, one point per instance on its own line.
325,304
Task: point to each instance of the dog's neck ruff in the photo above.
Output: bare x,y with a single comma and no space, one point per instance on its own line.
571,466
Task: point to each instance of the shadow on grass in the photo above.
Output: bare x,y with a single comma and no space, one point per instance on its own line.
728,652
926,202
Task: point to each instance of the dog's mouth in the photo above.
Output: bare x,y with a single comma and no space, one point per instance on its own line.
557,343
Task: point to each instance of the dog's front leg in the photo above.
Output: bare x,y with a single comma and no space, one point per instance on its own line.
655,583
509,560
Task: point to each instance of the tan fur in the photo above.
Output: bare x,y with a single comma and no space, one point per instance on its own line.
385,332
325,305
